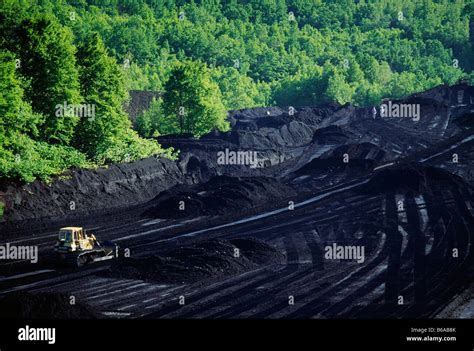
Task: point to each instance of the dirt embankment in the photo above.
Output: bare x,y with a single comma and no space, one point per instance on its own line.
89,191
212,259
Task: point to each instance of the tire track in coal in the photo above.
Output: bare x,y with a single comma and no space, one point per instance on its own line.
333,311
453,272
419,260
134,297
452,269
317,284
292,253
391,307
393,280
438,260
292,267
314,243
394,238
256,301
434,206
458,280
316,304
307,308
304,276
288,274
194,296
408,290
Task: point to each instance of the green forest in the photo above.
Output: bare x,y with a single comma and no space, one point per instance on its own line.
67,66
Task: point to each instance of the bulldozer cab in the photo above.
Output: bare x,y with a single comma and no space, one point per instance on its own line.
73,239
71,234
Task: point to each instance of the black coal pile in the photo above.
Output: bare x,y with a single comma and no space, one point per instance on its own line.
211,259
94,189
219,196
257,251
466,121
412,178
25,305
331,135
363,156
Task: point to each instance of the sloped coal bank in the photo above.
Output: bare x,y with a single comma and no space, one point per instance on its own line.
92,190
205,260
220,195
27,305
412,178
331,135
466,121
360,156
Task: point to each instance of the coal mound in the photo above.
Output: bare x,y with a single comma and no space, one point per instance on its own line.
25,305
208,259
330,135
466,121
219,196
412,178
362,156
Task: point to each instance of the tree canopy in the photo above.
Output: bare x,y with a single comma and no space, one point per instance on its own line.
61,102
206,56
192,102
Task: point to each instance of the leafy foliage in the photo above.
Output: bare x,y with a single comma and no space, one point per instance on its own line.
148,122
192,102
44,84
208,56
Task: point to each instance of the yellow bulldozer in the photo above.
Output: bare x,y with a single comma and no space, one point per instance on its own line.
77,248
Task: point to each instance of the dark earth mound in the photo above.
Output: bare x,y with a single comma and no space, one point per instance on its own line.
219,196
208,259
361,156
25,305
331,135
466,120
412,178
92,190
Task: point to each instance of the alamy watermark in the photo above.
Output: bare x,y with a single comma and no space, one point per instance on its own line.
242,158
13,252
76,110
396,110
37,334
341,252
